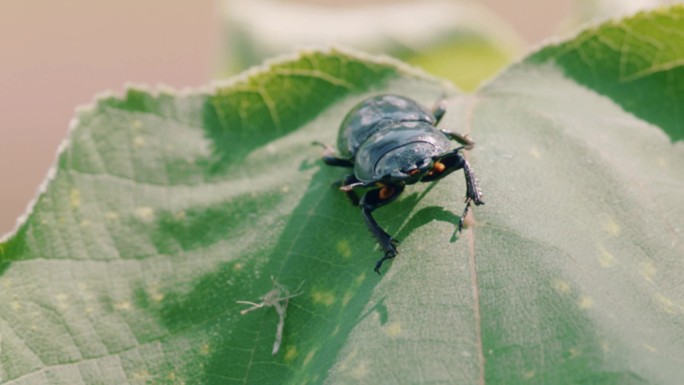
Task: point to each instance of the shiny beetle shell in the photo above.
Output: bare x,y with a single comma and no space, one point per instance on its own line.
369,116
398,145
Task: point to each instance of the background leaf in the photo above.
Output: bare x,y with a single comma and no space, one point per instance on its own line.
637,62
461,41
166,209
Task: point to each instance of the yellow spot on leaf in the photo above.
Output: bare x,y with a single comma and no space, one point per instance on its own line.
61,297
285,189
347,297
561,286
142,376
290,354
392,329
529,374
136,124
575,352
326,298
360,371
238,266
648,270
611,227
535,153
585,302
360,278
666,303
309,356
145,213
112,216
138,142
204,349
606,259
155,294
75,198
16,306
344,249
122,305
605,347
347,360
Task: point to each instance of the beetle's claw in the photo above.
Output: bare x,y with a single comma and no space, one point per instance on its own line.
389,254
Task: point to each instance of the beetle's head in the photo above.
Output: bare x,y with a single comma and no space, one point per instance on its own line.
407,164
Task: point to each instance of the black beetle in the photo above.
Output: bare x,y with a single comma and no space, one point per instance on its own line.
391,141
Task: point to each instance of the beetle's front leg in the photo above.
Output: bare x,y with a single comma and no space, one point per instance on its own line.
451,162
371,201
329,157
467,143
473,192
344,183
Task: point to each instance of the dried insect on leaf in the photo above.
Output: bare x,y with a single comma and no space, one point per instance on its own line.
278,298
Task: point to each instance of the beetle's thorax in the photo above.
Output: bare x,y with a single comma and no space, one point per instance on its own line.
375,114
403,151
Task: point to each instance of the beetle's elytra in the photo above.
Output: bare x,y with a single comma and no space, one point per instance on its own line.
391,141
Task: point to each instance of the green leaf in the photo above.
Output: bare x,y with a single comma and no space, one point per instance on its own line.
165,210
637,62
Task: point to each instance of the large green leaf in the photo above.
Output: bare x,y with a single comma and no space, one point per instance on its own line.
166,209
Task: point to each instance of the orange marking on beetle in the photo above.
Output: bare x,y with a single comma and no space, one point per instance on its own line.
386,192
438,167
414,172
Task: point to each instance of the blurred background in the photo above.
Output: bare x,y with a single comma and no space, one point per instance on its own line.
56,56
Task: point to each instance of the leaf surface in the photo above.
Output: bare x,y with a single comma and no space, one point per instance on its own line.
164,210
637,62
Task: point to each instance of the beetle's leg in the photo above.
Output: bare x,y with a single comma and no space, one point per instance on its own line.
473,192
467,143
349,179
329,157
438,111
338,162
449,163
371,201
